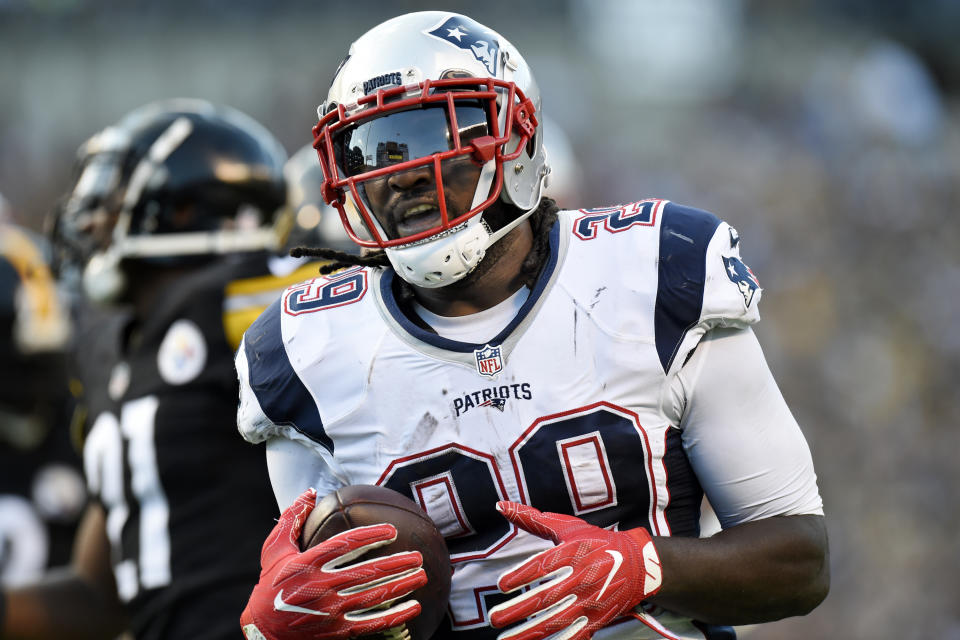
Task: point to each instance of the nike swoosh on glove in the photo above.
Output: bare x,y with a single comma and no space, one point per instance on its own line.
315,594
592,576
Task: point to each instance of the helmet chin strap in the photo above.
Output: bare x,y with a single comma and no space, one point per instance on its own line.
507,228
450,257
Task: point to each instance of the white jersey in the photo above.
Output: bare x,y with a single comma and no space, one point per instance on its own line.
571,408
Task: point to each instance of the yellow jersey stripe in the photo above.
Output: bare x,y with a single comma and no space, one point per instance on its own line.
245,299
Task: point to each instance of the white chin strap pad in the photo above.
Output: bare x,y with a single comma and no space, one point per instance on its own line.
448,258
444,260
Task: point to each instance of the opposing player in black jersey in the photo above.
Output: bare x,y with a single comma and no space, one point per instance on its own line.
41,487
172,223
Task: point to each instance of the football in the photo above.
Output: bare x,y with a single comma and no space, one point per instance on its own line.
359,505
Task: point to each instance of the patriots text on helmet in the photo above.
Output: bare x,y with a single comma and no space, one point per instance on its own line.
384,80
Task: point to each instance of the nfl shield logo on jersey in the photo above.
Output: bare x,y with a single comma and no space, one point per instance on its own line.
489,362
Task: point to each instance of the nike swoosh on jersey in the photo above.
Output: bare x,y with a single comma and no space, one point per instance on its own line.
617,561
280,605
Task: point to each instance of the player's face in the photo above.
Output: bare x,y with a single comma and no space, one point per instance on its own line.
98,223
408,202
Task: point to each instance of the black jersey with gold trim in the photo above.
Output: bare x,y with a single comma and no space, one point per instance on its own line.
188,502
41,488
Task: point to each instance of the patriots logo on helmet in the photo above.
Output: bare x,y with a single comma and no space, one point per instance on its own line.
489,361
741,275
464,33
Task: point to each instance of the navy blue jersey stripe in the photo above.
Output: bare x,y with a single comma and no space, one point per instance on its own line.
386,290
282,395
684,235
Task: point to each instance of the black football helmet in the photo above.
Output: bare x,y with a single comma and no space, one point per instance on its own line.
173,182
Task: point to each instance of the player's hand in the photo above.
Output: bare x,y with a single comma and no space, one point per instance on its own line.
592,576
316,594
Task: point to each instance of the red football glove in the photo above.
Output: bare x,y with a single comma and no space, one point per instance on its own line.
315,594
592,576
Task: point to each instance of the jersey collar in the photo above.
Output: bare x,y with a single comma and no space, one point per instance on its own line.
409,329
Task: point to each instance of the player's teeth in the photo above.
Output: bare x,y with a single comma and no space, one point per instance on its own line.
420,208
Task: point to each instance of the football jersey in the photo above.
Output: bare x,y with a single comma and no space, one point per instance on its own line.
188,503
563,409
41,489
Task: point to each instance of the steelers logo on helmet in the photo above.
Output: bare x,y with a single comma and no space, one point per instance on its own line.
412,167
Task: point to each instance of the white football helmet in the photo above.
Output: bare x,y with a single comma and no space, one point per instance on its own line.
429,92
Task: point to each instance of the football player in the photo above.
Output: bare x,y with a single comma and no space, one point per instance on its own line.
170,227
41,488
557,389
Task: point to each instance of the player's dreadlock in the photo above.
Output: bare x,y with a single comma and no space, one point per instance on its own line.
541,221
341,259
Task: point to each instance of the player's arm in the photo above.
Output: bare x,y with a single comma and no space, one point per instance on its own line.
294,467
771,559
79,601
755,572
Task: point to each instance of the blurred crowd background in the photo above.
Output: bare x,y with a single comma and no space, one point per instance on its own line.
827,132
